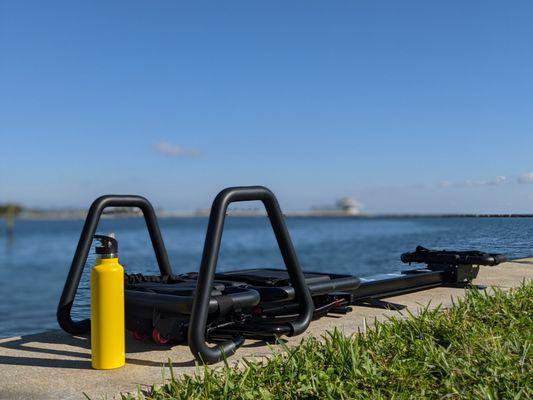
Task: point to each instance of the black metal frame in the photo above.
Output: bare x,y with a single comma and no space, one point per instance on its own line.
64,308
198,321
370,289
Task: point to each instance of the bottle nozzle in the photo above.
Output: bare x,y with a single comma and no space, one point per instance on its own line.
108,244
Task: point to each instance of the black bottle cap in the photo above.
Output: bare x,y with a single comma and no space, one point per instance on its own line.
108,245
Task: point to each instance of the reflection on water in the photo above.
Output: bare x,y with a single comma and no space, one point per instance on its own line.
34,260
10,241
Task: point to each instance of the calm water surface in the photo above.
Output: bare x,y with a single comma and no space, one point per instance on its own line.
34,261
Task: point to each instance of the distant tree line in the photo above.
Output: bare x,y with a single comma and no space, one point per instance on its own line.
10,210
122,211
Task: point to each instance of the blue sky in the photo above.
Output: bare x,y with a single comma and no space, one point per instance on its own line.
408,106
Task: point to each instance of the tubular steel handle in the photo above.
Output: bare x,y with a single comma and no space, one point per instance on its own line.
84,244
198,321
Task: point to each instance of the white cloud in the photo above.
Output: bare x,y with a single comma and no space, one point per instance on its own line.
526,178
495,182
173,150
472,183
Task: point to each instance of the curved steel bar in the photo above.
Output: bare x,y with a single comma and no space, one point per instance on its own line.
197,325
84,244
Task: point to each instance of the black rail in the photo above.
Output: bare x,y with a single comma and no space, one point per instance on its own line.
84,244
200,308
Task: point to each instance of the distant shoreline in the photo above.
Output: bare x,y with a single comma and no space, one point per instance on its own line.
58,216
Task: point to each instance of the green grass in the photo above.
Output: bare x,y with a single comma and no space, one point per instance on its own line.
480,348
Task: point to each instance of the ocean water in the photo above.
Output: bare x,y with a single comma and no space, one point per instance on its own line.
34,261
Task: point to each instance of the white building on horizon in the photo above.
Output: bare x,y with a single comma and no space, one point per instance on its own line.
349,206
344,207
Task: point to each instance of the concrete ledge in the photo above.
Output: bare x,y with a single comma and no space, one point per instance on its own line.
55,365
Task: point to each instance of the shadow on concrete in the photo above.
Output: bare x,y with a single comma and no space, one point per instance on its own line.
43,350
264,343
33,353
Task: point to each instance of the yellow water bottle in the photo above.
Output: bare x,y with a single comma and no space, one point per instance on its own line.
108,346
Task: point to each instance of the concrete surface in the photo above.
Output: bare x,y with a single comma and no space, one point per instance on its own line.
54,365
